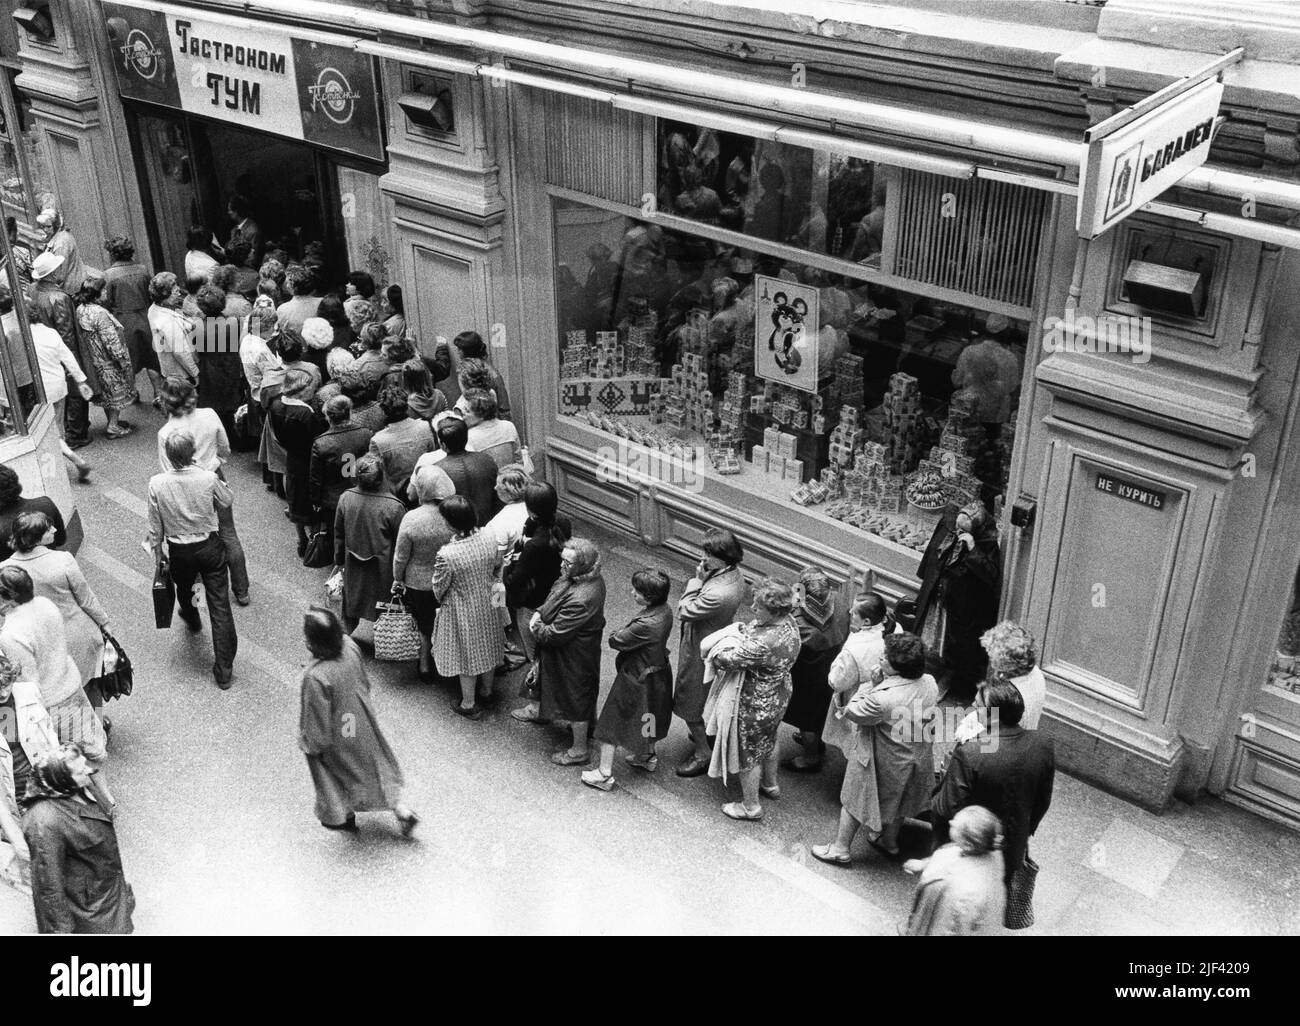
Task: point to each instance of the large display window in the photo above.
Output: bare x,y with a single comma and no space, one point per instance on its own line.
864,403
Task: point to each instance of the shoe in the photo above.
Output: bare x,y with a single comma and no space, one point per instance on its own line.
409,823
243,599
426,676
598,780
650,763
799,764
125,424
693,767
78,445
735,810
565,758
349,824
889,853
472,713
83,472
108,729
222,682
770,792
526,715
490,700
823,853
122,432
193,621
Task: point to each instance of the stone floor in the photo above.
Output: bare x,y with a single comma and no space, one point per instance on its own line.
217,833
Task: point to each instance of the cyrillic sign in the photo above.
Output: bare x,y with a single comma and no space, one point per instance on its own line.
1123,171
267,80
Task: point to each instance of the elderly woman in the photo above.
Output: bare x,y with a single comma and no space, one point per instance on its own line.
301,282
318,337
424,402
961,576
708,603
359,312
1013,657
823,627
171,330
467,632
870,623
264,373
498,438
352,766
396,352
891,764
56,576
296,425
126,295
764,652
13,503
60,241
226,278
34,637
101,333
365,528
507,527
78,885
567,630
371,364
420,537
959,892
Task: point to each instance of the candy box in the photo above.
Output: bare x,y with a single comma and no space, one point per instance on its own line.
817,490
793,470
786,444
770,439
758,457
802,495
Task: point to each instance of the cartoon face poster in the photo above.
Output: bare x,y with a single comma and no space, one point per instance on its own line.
785,332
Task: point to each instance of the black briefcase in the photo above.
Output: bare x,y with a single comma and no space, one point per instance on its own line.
164,595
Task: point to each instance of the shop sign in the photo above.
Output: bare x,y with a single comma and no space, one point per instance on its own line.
1128,168
1142,495
786,332
266,80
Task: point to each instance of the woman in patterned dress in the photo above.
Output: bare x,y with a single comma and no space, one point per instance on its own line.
467,639
103,336
769,649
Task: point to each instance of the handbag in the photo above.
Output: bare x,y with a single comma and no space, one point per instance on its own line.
164,594
320,549
116,676
397,638
1020,896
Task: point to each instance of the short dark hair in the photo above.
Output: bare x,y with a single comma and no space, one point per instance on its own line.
355,385
16,585
290,345
459,514
398,350
653,584
906,654
119,247
363,282
331,310
161,286
1005,697
323,633
239,205
722,544
475,373
89,291
11,488
29,529
373,335
394,296
197,237
223,277
454,435
392,400
470,343
176,394
370,473
179,448
338,410
238,250
211,300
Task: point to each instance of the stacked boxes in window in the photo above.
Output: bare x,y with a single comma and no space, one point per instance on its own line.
846,389
902,413
640,353
575,355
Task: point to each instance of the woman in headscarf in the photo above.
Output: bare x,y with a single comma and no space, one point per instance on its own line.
567,630
126,295
961,578
101,333
467,640
365,528
823,625
78,884
60,241
296,425
352,767
420,537
765,653
264,372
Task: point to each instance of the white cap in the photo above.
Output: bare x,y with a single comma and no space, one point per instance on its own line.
45,265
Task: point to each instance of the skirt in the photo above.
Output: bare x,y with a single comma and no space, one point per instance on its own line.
270,453
423,606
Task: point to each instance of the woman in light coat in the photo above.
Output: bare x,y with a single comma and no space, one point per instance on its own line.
960,890
891,767
870,623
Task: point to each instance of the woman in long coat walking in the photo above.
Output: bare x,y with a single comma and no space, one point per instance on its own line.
568,629
467,638
365,528
352,766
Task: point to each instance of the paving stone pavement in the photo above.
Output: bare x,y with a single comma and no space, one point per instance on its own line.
218,837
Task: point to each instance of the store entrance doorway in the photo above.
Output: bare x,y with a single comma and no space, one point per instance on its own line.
192,167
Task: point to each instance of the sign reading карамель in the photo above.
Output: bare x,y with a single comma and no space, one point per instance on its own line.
264,79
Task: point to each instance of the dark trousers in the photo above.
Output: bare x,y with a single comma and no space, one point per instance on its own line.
76,418
208,560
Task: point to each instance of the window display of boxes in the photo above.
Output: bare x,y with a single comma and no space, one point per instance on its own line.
830,480
786,445
758,457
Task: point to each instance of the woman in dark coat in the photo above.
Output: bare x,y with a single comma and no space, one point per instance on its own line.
126,294
823,627
365,529
221,372
639,707
567,629
13,503
961,577
351,765
78,885
296,426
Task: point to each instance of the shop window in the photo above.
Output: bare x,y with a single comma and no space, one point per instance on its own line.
868,404
21,390
39,181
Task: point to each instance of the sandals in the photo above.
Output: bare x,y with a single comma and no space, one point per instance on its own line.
598,780
823,853
735,810
120,433
565,758
650,763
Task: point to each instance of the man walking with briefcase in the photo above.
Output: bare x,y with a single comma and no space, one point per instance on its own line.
184,505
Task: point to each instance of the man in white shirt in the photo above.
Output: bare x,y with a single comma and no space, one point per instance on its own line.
211,450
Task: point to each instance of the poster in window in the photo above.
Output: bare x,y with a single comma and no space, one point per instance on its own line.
785,332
